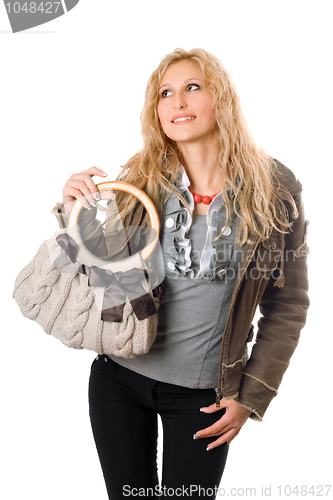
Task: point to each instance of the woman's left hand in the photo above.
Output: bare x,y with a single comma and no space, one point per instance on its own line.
229,425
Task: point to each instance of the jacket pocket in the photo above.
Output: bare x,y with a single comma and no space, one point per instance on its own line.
269,252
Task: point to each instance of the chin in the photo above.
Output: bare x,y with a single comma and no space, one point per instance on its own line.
183,137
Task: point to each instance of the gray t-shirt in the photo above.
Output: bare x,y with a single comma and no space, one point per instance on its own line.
191,321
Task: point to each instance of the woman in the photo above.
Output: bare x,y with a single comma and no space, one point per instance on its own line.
233,237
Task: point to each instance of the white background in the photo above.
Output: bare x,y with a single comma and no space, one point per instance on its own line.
71,95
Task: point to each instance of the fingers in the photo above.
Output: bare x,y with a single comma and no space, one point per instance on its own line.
95,171
216,429
82,190
78,195
70,195
107,195
227,437
226,431
81,187
233,437
84,183
228,426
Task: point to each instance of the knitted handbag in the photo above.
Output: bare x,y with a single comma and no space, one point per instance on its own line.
87,302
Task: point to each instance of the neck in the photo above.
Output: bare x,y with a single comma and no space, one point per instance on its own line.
200,163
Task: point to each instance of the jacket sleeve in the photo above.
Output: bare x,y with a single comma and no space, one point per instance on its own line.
283,310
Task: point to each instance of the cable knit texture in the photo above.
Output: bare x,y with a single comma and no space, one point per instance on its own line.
51,291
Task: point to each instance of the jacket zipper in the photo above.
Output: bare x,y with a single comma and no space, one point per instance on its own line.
218,397
219,388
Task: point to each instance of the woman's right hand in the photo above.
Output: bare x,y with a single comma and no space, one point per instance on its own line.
81,187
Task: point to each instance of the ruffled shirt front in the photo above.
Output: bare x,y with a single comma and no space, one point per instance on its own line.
199,281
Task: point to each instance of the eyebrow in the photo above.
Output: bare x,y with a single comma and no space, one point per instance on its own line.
186,81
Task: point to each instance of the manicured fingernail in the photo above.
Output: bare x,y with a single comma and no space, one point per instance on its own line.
209,448
97,196
202,409
92,202
105,174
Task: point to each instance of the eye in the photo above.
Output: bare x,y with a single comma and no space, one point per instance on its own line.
165,93
193,86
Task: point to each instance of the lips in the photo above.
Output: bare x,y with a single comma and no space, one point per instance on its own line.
183,118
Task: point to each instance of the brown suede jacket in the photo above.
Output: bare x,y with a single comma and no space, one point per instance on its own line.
274,277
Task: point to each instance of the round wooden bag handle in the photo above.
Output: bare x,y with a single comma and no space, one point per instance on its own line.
142,197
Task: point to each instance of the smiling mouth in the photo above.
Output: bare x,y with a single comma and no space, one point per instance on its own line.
183,119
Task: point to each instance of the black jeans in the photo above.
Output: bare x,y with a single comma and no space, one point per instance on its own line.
123,413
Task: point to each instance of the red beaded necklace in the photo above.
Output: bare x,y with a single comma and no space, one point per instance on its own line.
204,199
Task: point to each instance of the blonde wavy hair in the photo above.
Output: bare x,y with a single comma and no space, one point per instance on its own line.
259,199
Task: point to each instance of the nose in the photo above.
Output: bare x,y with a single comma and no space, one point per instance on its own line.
180,101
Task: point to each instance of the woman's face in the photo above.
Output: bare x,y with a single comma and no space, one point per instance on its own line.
185,105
